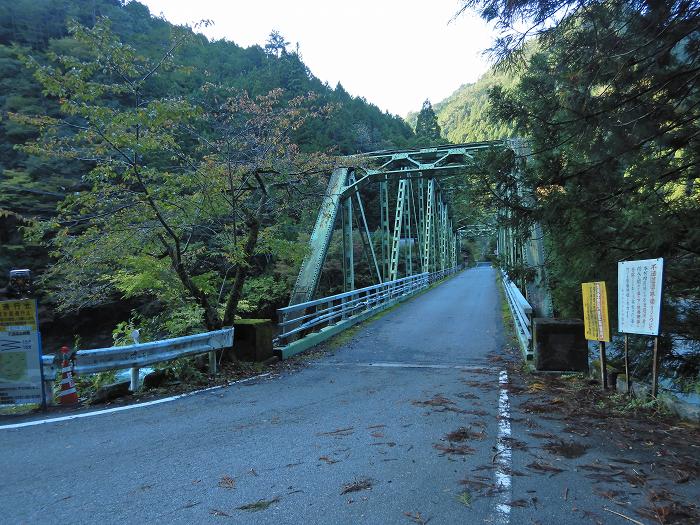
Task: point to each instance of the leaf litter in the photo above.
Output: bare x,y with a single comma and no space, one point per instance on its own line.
439,403
227,482
357,486
567,449
257,506
464,434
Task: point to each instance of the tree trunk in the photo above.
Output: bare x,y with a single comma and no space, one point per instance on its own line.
242,270
211,316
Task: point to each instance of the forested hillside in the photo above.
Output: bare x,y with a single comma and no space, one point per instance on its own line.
464,115
608,103
43,69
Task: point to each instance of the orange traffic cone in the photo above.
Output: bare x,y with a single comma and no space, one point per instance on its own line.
68,394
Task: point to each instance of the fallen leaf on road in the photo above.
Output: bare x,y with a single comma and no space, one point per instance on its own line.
338,432
467,395
458,450
541,466
259,505
541,435
227,482
567,449
416,518
356,486
465,498
464,433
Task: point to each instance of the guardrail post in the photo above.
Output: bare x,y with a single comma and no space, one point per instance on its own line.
134,386
212,362
48,393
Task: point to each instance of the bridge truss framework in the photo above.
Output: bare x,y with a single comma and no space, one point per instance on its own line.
416,228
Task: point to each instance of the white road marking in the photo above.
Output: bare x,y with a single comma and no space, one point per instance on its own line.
407,365
503,454
126,407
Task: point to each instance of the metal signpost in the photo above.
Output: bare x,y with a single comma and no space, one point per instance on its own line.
20,353
639,306
596,322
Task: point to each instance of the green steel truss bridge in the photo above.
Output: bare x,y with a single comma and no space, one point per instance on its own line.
416,241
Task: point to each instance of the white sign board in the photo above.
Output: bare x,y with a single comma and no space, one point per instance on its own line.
20,358
639,296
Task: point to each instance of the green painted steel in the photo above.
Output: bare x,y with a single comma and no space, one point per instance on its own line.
407,229
326,333
364,232
310,271
384,228
439,161
421,223
348,247
422,218
398,225
428,235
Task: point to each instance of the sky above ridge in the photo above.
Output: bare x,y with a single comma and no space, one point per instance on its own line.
395,53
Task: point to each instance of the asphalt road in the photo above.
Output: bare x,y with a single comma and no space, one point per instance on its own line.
357,436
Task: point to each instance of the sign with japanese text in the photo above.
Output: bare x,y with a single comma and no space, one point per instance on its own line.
639,296
595,311
20,358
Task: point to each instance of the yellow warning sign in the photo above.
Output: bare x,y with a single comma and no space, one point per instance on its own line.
21,312
595,311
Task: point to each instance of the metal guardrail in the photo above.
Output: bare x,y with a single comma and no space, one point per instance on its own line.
140,355
522,314
301,319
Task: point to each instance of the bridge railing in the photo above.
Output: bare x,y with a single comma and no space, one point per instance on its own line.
337,312
522,314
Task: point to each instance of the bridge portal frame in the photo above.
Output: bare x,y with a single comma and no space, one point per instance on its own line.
423,218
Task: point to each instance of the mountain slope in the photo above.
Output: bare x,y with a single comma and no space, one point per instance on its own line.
463,115
34,186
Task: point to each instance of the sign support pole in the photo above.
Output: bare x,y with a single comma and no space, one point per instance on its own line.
627,365
603,366
655,369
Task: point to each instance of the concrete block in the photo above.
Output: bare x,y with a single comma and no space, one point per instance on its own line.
559,345
253,339
110,392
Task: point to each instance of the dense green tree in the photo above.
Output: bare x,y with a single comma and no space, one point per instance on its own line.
33,186
181,195
427,127
276,44
610,105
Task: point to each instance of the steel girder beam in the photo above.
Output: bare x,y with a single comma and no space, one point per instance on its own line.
438,162
421,223
365,235
407,229
428,234
385,234
310,271
348,247
398,225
